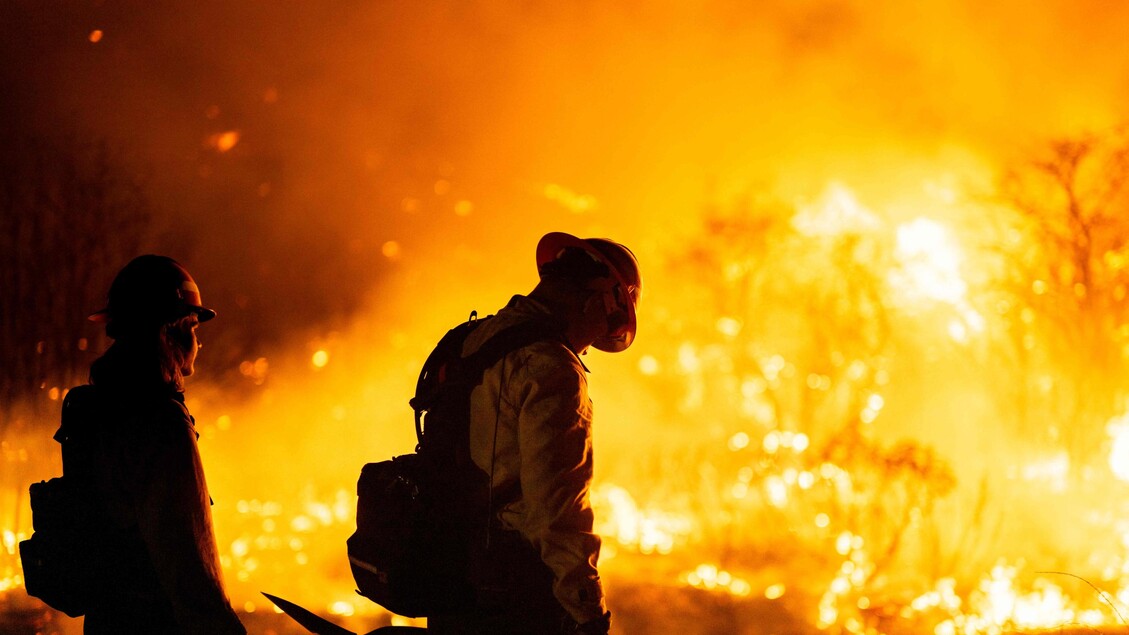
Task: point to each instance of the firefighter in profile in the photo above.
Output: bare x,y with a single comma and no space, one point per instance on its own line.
531,433
161,573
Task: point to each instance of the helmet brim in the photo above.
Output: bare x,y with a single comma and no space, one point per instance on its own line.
549,248
202,313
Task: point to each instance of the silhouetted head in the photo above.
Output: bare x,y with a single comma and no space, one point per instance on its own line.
606,276
153,309
150,291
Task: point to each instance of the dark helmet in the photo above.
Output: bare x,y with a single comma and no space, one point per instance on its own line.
622,287
152,290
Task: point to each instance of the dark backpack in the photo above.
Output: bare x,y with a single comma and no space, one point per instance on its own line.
418,514
61,560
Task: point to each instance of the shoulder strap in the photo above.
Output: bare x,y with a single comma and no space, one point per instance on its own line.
446,366
505,342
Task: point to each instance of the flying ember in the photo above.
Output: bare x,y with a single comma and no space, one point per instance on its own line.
879,383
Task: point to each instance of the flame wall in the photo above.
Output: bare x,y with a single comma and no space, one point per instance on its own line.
348,181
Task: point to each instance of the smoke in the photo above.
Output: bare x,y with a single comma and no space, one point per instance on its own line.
356,176
438,126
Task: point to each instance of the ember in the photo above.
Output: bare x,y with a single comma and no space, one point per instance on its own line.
881,380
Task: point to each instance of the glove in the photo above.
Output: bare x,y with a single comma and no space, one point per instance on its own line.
599,626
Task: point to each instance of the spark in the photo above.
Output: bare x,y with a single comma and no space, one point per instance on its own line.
728,326
321,358
771,442
713,578
224,141
343,608
464,208
256,370
391,250
648,365
739,441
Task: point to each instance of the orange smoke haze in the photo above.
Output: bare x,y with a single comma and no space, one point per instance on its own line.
348,180
347,116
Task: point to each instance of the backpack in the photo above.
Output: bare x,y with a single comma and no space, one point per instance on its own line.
61,559
419,514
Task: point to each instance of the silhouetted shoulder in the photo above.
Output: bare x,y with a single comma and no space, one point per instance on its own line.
172,409
79,405
80,397
171,416
149,418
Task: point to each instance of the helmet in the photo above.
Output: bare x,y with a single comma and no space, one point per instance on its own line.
152,290
622,287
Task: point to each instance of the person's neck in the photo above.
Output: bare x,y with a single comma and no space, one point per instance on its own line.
566,303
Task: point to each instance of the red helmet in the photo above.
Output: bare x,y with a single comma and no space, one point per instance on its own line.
622,287
152,290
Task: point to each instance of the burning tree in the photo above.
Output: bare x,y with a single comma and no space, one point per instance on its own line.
806,318
1065,278
69,218
782,367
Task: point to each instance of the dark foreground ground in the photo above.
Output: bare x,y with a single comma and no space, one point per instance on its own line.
636,610
640,605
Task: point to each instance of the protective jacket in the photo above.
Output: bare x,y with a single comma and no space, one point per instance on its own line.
531,431
164,574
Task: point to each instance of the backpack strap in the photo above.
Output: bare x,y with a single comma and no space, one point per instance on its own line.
494,349
507,341
446,363
435,372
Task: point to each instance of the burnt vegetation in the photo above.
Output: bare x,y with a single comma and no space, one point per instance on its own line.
1064,279
70,214
798,336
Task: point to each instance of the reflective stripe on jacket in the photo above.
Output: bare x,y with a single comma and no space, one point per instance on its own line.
531,423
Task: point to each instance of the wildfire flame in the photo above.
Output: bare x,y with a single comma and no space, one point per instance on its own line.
753,472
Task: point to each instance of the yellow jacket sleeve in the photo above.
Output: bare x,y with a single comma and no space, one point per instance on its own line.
555,447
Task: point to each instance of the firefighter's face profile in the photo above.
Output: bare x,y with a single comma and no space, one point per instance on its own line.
183,336
193,350
595,317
